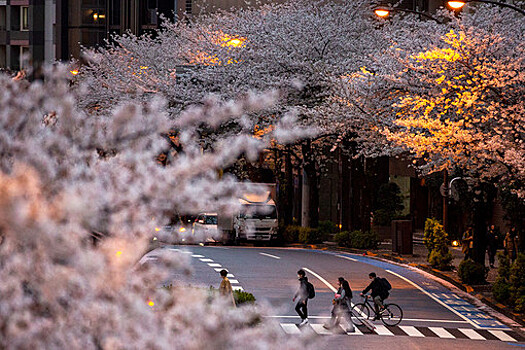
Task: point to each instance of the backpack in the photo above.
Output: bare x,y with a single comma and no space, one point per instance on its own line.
385,284
310,290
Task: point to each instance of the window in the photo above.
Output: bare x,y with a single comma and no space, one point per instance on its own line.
24,18
25,57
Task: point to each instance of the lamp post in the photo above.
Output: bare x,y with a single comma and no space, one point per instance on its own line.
458,4
384,12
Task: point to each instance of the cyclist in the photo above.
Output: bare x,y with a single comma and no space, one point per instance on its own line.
378,293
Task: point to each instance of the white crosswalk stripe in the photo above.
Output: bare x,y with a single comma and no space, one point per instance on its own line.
471,334
382,330
290,328
206,260
237,288
502,335
319,329
411,331
197,256
441,332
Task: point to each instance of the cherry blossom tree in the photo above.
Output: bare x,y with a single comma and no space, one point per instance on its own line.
65,173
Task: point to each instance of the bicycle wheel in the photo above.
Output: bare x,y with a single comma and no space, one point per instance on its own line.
360,311
391,315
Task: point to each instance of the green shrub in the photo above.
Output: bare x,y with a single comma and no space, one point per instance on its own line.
342,238
327,227
435,237
509,287
242,297
389,203
357,239
382,217
291,233
501,290
311,235
471,272
440,260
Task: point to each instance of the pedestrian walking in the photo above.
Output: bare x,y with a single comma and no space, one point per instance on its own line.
492,244
342,306
467,242
225,288
510,243
302,294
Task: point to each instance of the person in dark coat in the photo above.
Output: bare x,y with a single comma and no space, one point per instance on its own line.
492,244
378,293
301,295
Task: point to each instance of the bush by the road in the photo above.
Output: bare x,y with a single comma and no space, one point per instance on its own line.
242,297
357,239
327,227
436,241
509,287
301,234
471,272
291,233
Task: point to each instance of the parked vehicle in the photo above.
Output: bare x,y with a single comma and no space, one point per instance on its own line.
256,219
205,228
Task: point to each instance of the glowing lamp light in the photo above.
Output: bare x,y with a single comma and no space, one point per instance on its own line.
119,253
456,5
455,243
182,229
74,71
382,13
151,303
154,238
95,16
157,229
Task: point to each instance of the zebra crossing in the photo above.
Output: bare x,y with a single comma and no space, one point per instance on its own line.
409,331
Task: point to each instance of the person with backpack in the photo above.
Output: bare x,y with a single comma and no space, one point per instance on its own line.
304,292
380,288
342,304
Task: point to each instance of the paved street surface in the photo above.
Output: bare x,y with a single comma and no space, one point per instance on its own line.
434,317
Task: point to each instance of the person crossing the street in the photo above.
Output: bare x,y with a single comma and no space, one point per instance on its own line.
301,295
378,292
342,306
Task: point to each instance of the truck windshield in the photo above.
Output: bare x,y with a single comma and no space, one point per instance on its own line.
210,220
252,211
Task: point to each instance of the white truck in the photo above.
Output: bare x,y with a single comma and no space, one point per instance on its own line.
256,219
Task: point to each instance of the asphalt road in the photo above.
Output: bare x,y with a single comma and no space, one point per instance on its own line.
433,316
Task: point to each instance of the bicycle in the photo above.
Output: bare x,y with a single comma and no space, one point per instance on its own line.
391,315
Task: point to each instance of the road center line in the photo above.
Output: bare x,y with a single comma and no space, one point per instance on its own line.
346,257
434,298
270,256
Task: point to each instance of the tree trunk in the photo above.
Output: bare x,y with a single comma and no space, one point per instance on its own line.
312,184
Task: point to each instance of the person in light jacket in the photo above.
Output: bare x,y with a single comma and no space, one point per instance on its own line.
342,304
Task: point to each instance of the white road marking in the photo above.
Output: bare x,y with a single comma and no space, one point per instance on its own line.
197,256
355,332
347,258
234,281
471,334
237,288
319,329
501,335
411,331
230,275
297,317
382,330
270,256
434,298
441,321
206,260
214,265
290,328
441,332
219,269
332,288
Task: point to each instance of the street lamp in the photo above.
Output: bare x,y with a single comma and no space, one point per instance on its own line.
458,4
384,12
